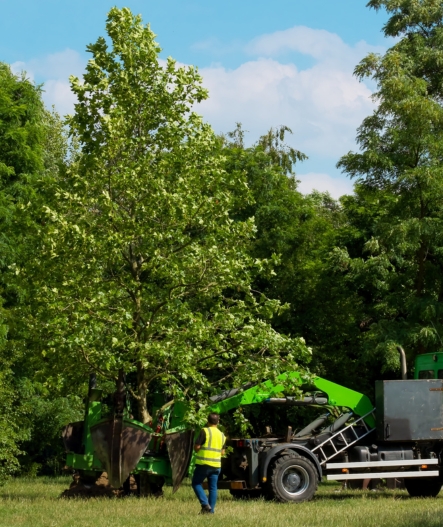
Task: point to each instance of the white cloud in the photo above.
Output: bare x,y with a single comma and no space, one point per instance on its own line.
322,103
324,183
316,43
59,94
54,71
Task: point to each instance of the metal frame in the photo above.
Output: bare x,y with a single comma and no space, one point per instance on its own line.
387,475
396,463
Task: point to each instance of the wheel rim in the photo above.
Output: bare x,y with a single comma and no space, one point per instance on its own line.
295,480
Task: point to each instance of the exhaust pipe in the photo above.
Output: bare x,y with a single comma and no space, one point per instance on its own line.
404,375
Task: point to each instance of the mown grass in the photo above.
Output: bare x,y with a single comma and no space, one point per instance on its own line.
36,503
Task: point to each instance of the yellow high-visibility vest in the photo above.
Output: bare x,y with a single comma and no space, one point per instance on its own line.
211,450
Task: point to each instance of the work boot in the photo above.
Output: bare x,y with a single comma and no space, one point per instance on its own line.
206,509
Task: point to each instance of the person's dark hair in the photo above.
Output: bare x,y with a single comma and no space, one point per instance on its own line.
213,419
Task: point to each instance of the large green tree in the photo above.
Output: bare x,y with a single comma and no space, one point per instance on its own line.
33,148
149,270
399,271
22,137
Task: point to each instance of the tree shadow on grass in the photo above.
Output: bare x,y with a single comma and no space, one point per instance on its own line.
367,495
23,496
414,520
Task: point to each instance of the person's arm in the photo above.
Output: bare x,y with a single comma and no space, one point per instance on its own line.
200,440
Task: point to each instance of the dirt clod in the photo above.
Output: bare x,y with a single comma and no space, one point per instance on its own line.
86,488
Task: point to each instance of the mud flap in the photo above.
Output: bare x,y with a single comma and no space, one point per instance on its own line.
179,447
119,445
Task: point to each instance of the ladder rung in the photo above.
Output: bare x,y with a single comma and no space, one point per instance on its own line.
357,437
344,439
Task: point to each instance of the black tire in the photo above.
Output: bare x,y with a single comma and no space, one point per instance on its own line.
292,478
423,487
247,494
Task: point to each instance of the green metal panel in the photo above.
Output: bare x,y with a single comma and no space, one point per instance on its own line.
156,466
83,462
177,415
341,396
93,416
427,362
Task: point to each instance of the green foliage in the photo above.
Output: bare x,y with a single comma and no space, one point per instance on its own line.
299,233
33,146
146,243
21,161
144,267
43,452
399,269
11,432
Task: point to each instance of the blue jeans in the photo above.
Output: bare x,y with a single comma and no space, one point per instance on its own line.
202,472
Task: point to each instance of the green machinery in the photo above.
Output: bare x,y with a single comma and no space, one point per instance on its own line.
402,439
162,451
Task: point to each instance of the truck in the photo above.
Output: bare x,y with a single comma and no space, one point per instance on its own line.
401,436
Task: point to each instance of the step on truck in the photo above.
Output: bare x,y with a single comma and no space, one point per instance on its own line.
351,440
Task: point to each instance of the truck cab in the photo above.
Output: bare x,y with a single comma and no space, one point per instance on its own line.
429,366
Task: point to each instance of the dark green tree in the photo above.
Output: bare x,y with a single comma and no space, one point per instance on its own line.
22,136
399,271
33,149
299,232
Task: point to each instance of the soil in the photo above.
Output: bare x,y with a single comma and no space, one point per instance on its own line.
85,488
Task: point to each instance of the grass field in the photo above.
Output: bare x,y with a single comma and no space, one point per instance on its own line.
35,503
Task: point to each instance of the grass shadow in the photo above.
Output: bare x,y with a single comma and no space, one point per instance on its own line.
367,495
24,496
418,521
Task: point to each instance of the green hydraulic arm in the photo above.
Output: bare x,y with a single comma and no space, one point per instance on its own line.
337,395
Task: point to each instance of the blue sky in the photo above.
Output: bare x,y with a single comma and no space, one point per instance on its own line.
265,63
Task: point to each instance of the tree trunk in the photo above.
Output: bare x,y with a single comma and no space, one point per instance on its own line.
142,389
420,278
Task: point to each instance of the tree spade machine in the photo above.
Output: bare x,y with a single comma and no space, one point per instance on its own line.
351,439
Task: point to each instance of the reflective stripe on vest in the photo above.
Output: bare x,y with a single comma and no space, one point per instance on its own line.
211,450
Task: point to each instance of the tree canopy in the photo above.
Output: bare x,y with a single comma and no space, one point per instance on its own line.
146,267
400,166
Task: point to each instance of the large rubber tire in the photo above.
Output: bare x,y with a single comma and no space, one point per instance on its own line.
423,487
247,494
292,478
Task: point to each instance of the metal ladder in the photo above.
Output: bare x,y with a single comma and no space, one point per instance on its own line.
323,457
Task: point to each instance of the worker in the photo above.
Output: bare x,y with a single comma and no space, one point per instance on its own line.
210,449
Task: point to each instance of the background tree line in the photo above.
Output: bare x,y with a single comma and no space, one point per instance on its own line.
132,237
